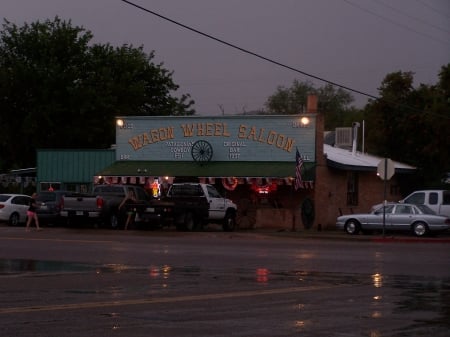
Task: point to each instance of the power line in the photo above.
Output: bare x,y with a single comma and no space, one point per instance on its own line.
396,23
433,9
250,52
268,59
413,17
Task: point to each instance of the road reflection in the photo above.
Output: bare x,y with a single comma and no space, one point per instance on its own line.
414,295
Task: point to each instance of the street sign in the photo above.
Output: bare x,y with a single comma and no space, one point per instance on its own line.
386,169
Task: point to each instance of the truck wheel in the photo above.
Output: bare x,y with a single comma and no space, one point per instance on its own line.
114,221
229,222
189,222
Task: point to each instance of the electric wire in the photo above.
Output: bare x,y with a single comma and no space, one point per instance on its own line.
246,51
425,4
250,52
413,17
396,23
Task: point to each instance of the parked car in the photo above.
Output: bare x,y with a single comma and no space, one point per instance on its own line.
13,208
418,219
50,203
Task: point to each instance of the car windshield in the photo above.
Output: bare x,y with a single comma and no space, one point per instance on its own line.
426,209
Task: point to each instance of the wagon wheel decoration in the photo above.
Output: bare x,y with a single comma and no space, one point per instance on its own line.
202,151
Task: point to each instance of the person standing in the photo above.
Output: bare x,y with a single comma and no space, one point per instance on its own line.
31,213
128,202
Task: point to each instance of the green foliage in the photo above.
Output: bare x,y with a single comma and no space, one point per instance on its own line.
59,91
334,103
412,125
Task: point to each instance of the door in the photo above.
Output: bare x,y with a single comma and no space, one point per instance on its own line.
216,203
375,220
401,218
21,203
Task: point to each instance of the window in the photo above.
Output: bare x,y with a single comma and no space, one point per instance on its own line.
50,186
213,193
416,198
403,209
352,189
387,209
141,194
46,196
19,200
188,190
394,189
446,200
433,198
117,189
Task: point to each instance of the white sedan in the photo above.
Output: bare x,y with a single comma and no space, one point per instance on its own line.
418,219
14,207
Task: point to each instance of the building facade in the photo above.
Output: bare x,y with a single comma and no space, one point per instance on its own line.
253,160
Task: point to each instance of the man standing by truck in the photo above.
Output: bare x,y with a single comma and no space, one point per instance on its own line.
129,203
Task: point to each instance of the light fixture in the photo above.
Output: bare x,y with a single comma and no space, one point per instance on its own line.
304,121
119,122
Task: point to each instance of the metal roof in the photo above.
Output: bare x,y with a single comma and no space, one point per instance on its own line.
347,160
72,165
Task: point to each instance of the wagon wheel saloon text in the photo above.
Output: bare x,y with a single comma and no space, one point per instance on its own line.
180,146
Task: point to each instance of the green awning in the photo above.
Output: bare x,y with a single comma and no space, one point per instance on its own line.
209,169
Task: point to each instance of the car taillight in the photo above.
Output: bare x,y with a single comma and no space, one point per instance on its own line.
99,202
2,206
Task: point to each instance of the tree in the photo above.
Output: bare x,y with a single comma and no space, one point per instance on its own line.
290,101
411,124
334,103
57,90
386,114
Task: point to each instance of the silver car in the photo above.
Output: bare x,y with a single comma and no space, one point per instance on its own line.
418,219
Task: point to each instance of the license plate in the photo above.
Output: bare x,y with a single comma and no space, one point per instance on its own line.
150,209
79,213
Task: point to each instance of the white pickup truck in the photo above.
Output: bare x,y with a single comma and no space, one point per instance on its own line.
196,204
437,200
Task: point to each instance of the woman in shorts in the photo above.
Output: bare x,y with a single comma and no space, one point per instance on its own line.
31,213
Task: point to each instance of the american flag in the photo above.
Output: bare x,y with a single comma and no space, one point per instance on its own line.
298,170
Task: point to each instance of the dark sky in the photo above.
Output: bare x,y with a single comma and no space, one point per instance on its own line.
354,43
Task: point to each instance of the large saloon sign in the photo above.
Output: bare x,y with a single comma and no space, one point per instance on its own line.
224,138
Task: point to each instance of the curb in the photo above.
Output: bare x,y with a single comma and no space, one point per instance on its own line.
412,240
324,235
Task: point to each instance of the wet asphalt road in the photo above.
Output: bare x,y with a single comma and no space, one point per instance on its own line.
70,282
